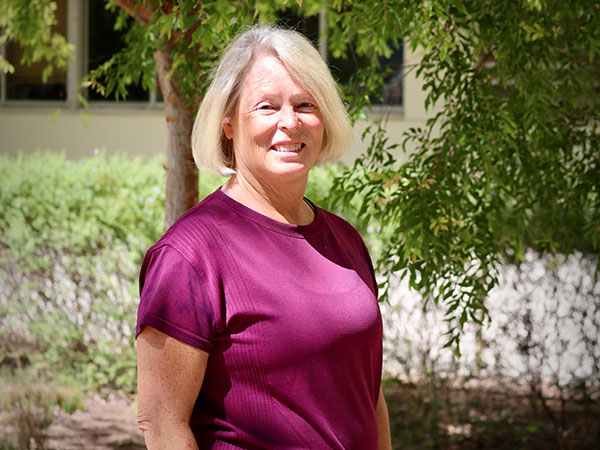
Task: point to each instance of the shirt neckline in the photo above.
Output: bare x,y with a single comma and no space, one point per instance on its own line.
271,224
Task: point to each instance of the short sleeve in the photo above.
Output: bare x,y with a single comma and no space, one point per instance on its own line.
176,299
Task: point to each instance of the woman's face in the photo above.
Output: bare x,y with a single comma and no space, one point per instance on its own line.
276,126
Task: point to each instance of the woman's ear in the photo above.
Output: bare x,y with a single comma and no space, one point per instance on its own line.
227,128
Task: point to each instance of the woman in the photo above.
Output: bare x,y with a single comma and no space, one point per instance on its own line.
258,325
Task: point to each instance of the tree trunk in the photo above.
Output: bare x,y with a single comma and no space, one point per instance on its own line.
181,172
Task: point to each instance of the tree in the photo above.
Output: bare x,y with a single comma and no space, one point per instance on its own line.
177,41
509,160
515,162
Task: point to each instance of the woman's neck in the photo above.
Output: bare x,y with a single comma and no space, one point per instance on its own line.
285,204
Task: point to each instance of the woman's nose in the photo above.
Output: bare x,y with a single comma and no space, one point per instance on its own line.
289,120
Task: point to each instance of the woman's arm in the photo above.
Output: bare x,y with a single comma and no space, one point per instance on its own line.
170,375
383,423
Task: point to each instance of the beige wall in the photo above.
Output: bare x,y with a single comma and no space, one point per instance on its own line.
79,132
135,132
141,130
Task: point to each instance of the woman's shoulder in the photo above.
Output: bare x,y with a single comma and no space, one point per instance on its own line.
196,230
339,224
344,231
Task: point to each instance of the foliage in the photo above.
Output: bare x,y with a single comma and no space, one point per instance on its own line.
72,237
30,22
532,377
509,158
193,34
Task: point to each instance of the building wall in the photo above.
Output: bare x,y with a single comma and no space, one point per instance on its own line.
135,132
141,130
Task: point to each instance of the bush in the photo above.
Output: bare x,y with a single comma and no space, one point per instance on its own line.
72,238
72,235
528,379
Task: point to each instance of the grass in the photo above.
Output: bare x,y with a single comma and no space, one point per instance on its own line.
28,399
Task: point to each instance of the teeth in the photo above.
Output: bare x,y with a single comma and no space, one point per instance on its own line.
288,148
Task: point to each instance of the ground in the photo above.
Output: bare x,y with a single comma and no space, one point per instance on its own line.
423,416
103,424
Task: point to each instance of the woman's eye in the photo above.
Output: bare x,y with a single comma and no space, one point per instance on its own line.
306,105
265,107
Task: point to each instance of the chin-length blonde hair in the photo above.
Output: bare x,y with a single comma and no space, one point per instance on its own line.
211,149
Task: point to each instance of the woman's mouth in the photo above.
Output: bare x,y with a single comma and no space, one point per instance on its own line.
288,147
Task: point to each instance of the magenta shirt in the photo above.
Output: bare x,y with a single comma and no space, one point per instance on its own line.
289,316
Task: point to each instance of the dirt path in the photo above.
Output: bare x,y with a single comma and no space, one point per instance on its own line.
104,425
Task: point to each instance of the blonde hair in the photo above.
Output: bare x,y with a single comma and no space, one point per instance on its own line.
211,149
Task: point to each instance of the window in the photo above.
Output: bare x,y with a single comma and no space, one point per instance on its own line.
103,42
342,69
308,26
25,83
99,41
393,92
92,32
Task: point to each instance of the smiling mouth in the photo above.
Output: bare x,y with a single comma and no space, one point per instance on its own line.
288,147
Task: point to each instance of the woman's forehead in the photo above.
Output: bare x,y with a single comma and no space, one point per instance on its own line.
268,75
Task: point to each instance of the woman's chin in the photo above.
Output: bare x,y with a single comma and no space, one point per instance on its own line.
291,171
290,163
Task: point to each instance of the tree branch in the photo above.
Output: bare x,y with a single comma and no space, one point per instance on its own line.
136,10
2,31
143,14
187,35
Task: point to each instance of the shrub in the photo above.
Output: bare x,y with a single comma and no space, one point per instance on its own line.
72,237
529,379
